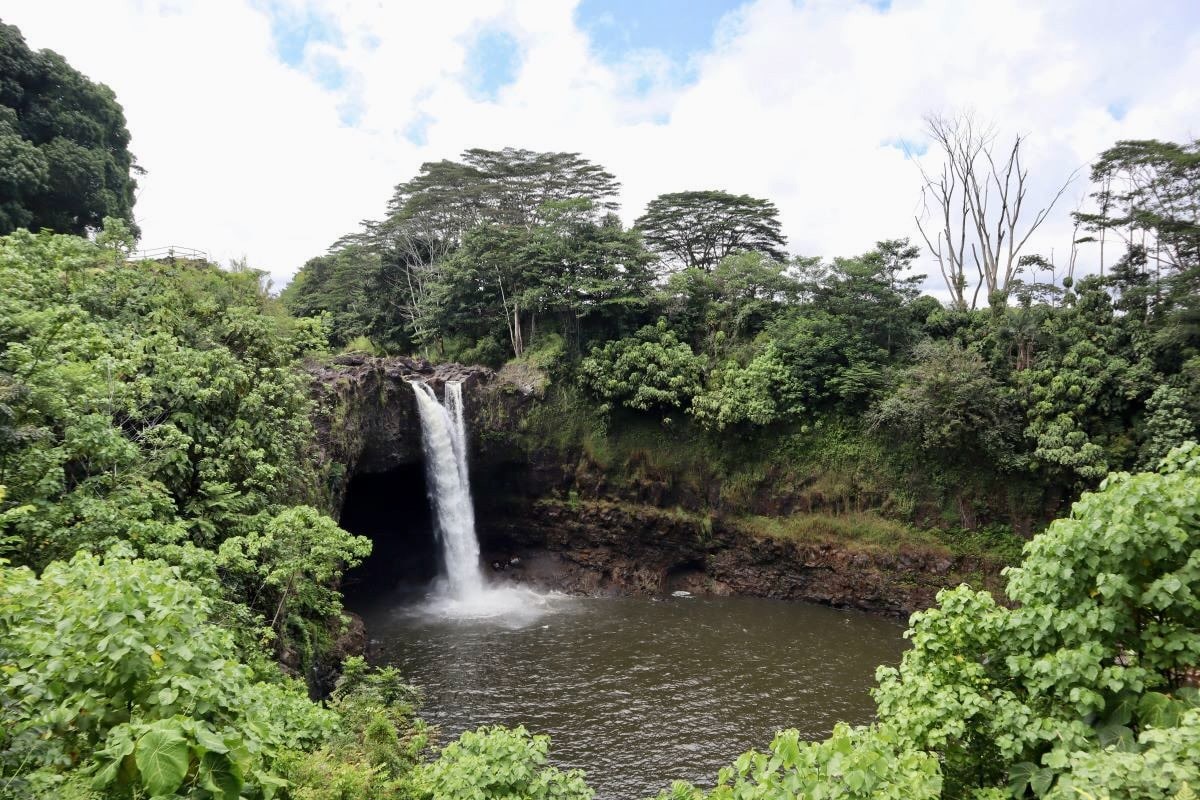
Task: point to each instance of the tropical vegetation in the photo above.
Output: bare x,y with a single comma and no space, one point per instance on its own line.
169,568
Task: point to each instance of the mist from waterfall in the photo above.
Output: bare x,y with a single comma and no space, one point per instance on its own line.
463,593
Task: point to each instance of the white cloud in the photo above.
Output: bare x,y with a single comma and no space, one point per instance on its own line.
795,102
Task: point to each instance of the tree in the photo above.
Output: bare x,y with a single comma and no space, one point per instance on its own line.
699,228
1149,196
589,271
508,187
568,269
738,298
64,148
1079,392
345,284
289,565
738,394
872,293
977,199
950,407
397,265
826,361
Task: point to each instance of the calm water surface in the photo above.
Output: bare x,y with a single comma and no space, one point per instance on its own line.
639,692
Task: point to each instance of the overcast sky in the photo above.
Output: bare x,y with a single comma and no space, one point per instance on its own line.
271,127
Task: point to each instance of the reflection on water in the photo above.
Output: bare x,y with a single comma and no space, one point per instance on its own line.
639,692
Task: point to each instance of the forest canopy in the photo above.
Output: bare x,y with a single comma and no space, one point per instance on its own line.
697,315
65,162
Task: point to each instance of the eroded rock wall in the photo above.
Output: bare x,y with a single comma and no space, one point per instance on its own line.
366,417
597,547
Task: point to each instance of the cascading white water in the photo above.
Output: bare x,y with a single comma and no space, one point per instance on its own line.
444,438
464,594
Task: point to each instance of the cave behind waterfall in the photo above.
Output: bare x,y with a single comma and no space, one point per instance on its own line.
391,509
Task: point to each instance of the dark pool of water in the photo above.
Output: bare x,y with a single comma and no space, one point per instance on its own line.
640,692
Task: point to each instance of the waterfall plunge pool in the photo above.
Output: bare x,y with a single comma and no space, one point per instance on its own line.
635,692
639,692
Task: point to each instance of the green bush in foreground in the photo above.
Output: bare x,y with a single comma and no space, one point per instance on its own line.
499,763
115,682
853,763
111,667
1085,679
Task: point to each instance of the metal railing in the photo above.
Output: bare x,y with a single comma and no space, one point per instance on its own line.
170,252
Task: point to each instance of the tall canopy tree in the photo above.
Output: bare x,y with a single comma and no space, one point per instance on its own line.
1148,195
507,186
570,269
874,293
699,228
64,148
344,284
430,216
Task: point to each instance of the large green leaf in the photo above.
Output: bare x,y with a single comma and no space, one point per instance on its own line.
1019,777
221,776
162,759
1160,711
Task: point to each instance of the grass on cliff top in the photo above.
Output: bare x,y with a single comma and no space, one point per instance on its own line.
863,529
866,528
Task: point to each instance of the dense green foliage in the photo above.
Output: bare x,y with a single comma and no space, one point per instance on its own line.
698,229
697,318
650,370
64,149
114,664
499,763
158,554
392,282
159,404
852,763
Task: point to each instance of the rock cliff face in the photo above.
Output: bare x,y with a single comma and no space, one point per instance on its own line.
543,518
366,415
597,547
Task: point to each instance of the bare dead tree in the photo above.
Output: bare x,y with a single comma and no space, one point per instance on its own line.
975,204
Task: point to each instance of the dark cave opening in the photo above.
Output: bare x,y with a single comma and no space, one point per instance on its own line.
391,509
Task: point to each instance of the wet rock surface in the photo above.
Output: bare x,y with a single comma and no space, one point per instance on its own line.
366,416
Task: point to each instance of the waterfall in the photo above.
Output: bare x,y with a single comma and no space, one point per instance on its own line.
463,594
444,438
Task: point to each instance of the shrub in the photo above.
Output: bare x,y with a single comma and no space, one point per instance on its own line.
112,666
651,370
499,764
